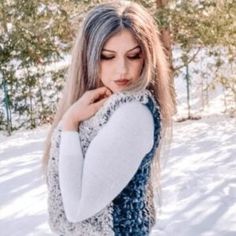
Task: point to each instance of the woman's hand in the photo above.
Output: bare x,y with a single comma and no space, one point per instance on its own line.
85,107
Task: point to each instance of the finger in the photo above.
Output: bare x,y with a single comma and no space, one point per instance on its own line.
108,92
98,104
97,90
103,91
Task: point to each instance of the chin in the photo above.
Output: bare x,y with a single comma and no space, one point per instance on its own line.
115,89
112,89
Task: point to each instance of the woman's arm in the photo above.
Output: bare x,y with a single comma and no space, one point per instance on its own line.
113,157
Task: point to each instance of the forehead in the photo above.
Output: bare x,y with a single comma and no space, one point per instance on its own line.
122,41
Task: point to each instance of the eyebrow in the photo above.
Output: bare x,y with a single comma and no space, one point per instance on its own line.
137,46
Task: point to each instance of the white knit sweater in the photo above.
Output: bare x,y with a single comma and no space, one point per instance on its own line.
99,177
88,183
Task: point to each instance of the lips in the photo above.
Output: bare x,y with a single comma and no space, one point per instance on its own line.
121,82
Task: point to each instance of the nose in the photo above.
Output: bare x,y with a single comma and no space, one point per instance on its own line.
122,68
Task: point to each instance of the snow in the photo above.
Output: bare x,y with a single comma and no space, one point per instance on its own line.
198,178
23,192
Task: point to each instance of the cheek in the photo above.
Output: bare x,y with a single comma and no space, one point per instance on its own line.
104,69
105,72
137,67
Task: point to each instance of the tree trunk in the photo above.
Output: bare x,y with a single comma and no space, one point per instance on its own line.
165,37
188,91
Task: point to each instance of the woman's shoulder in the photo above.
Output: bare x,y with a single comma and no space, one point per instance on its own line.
126,104
125,97
132,110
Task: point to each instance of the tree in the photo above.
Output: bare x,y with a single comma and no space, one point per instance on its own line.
165,34
33,34
204,25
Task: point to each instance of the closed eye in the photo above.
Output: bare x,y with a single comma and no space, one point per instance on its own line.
106,57
136,56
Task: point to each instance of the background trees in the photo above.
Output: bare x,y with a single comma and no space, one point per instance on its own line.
33,34
36,37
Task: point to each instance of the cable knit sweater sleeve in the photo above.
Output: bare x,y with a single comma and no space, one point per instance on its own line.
90,183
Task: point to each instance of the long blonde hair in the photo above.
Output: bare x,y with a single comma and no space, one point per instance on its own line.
101,23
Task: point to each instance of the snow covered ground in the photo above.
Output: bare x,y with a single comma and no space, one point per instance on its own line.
22,191
199,180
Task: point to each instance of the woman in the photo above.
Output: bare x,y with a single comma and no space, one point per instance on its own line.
102,146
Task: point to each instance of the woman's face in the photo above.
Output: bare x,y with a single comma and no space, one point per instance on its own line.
121,59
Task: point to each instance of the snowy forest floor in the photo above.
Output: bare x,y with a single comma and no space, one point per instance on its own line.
198,181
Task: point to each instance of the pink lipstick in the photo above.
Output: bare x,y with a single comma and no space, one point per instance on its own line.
121,82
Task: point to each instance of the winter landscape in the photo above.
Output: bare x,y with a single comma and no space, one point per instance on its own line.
198,178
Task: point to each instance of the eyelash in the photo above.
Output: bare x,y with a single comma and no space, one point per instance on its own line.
135,57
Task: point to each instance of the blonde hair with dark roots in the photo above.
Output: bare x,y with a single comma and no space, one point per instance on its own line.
101,23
